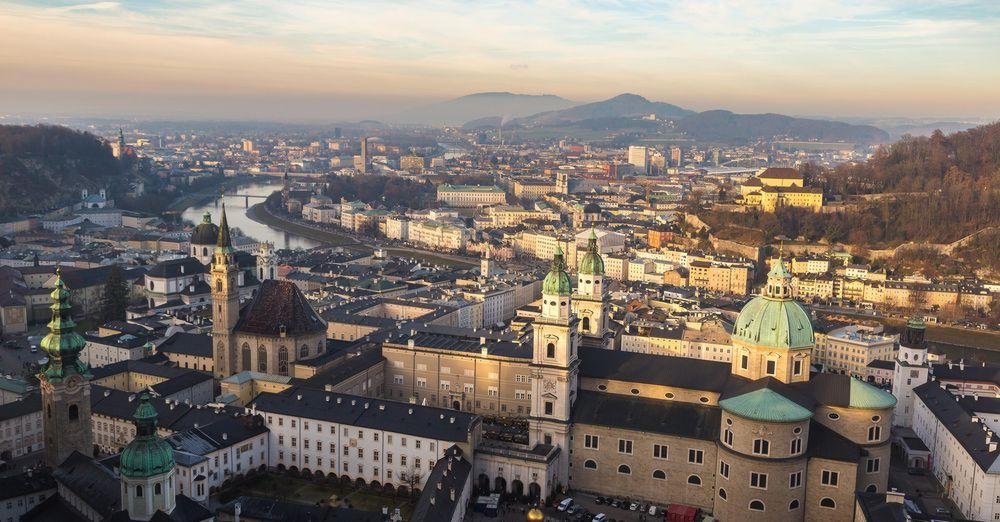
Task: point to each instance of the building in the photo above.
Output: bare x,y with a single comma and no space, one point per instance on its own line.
470,195
911,370
21,432
851,350
638,157
277,328
22,492
776,187
722,277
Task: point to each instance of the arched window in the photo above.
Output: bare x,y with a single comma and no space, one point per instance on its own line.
872,488
261,359
218,287
828,502
722,494
874,433
282,361
74,412
138,491
624,470
245,354
157,489
659,474
550,350
793,505
590,464
694,480
303,351
204,251
150,285
756,505
586,324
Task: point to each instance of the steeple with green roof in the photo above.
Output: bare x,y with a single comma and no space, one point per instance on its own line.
557,281
63,344
592,262
224,245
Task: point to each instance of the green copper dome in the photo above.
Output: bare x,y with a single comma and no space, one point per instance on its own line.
557,281
765,405
868,397
62,344
592,262
148,454
774,319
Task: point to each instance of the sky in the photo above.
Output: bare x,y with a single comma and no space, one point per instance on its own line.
315,60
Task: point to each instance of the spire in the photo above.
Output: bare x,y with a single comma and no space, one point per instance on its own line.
225,242
145,417
62,344
779,281
558,263
592,241
147,454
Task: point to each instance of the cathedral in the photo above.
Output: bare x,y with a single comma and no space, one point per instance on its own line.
277,328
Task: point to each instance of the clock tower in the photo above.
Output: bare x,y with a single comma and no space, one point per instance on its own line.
555,365
225,301
65,384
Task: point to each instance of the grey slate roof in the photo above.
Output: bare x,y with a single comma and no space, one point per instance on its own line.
92,482
442,492
23,484
31,403
680,372
398,417
649,415
956,420
184,343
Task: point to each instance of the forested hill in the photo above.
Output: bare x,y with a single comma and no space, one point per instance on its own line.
43,167
947,187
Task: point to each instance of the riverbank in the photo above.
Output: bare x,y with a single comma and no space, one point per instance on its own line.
261,214
206,194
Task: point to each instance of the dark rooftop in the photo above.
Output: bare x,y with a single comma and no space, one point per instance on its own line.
648,415
279,304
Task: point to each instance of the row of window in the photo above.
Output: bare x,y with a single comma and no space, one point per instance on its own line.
403,460
660,451
758,505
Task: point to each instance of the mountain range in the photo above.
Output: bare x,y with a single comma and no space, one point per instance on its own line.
634,114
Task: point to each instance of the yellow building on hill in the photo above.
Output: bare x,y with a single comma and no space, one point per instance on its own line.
780,187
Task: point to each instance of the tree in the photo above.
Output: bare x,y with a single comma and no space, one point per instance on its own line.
115,296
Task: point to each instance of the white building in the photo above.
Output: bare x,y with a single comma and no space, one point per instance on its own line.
20,493
470,195
373,441
102,351
638,157
21,428
207,456
852,348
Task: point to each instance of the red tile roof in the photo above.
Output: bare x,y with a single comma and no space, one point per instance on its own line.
277,304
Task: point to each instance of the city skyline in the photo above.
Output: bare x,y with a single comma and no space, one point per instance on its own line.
308,61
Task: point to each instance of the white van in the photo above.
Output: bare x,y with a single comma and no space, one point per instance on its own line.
565,504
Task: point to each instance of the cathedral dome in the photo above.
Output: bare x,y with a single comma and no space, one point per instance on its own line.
592,262
206,233
774,319
148,454
557,281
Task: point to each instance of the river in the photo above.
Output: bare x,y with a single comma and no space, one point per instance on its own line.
236,208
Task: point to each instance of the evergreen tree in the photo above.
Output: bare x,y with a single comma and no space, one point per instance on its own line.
115,296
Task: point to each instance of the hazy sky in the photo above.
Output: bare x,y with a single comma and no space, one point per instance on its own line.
295,60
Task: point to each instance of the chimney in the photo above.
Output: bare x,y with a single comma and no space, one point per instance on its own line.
225,436
483,350
410,411
381,407
327,398
452,494
432,501
131,398
894,497
439,485
452,420
961,364
338,400
992,446
298,397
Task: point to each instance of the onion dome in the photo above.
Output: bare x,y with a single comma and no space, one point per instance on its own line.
557,281
592,262
206,233
774,319
148,454
62,344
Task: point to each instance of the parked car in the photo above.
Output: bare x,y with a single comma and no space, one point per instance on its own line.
633,506
600,517
565,504
599,500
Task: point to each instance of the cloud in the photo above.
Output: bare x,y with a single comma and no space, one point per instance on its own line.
93,6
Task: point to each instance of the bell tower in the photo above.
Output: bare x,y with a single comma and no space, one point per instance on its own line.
590,302
225,301
147,468
555,365
910,371
265,262
65,384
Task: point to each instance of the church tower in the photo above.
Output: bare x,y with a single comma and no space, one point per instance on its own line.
590,302
265,262
555,364
65,384
225,300
147,468
911,370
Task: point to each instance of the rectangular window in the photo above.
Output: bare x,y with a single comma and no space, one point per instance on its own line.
744,362
548,408
696,456
830,478
874,433
625,446
591,441
723,469
795,479
758,480
796,446
761,447
873,465
727,437
797,367
772,367
659,451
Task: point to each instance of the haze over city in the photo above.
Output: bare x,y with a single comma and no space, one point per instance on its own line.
309,61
